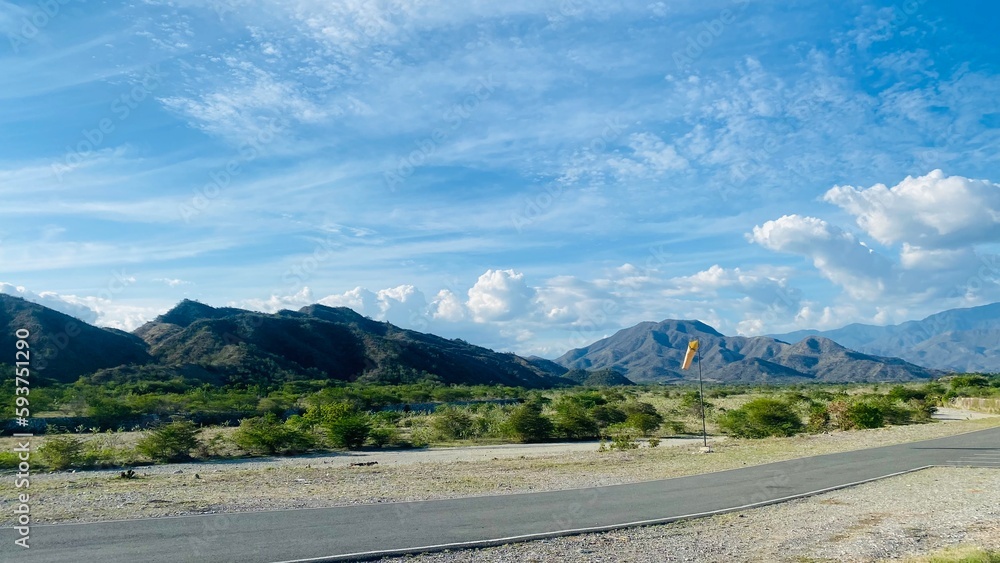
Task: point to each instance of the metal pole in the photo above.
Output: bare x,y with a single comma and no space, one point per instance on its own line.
701,394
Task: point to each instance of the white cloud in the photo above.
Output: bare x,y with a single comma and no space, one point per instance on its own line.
499,295
360,299
837,254
54,301
403,305
276,302
650,156
448,307
931,211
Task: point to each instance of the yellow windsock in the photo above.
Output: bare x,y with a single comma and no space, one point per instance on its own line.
689,356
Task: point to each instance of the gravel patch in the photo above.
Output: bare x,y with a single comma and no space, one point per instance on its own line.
886,520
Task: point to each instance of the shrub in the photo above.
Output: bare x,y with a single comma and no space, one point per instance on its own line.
643,417
573,420
527,423
623,437
691,403
171,442
606,415
819,418
761,418
383,435
349,431
452,424
268,435
865,414
9,460
61,452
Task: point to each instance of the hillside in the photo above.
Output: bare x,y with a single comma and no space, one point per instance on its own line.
319,342
654,351
965,340
62,347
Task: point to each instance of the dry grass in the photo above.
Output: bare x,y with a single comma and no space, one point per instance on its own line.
961,554
989,405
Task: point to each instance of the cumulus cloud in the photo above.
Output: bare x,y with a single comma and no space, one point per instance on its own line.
499,295
360,299
931,211
448,307
837,254
103,309
276,302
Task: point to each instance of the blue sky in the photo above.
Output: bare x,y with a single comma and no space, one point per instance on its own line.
527,175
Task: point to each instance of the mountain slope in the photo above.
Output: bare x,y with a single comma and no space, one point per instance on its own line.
325,343
956,339
654,351
62,347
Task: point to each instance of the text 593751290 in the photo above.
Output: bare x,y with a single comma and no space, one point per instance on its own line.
22,411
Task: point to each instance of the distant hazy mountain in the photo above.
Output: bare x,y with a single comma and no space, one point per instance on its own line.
955,340
64,348
654,351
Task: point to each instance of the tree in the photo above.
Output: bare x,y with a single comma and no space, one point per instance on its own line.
528,424
171,442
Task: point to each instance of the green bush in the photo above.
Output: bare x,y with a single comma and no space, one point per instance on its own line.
61,452
819,418
623,436
171,442
606,415
526,423
761,418
866,414
268,435
450,423
643,417
382,436
9,460
349,431
691,404
573,420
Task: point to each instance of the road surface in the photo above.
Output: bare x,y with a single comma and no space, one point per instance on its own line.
352,532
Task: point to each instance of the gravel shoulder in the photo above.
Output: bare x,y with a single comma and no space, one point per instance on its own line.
899,518
329,480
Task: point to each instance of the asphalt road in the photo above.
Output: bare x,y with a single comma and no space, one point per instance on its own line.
331,534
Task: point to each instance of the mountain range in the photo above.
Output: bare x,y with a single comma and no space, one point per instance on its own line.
654,352
229,345
962,340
